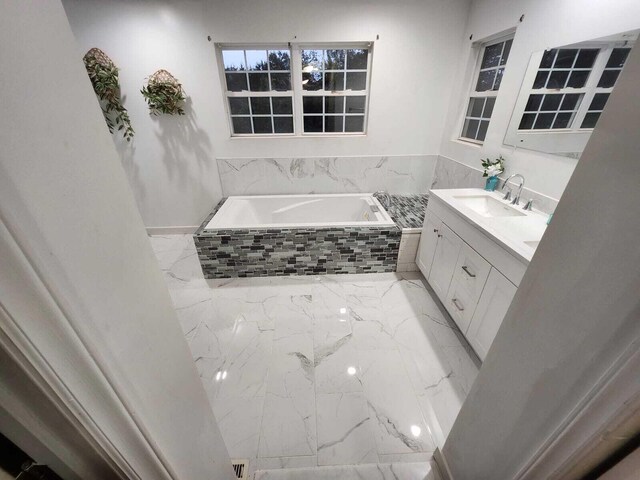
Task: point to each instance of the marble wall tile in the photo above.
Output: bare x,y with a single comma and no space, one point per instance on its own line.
273,176
451,174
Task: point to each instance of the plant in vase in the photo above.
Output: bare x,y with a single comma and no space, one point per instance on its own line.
492,168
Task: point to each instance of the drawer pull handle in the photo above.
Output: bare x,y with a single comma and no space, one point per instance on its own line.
435,230
455,302
466,270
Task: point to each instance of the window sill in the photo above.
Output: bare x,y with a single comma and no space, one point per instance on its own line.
467,143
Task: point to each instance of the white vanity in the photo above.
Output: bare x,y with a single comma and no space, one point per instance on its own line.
474,250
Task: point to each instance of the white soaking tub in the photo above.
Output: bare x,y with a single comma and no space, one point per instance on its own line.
300,211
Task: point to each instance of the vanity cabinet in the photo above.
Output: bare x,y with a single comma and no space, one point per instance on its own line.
466,279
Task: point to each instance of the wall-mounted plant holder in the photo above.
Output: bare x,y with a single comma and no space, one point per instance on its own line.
104,77
164,94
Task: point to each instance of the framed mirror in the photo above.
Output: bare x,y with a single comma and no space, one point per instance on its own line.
564,91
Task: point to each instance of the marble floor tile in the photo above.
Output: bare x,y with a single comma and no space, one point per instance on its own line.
344,433
239,420
394,471
274,463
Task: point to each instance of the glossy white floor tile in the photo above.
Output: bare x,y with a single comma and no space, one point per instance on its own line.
323,370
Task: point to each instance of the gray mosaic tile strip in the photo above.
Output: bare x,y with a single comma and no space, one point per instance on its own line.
408,210
296,251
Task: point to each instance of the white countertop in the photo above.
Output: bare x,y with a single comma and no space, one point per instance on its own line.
511,232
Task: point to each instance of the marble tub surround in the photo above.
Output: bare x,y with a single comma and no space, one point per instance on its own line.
452,174
263,176
321,371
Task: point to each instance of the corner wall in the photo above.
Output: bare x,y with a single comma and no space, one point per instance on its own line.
546,24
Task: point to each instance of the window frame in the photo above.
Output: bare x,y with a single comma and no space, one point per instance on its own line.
479,49
574,137
297,93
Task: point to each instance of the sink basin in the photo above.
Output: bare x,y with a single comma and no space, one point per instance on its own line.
532,243
488,206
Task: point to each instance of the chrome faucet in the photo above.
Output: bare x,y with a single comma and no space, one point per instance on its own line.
507,196
384,198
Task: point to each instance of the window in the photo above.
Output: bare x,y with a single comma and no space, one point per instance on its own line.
297,90
485,89
571,87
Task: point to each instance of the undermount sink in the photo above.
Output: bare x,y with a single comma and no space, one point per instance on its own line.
532,243
488,206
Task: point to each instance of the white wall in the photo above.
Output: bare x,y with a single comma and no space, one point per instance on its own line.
173,172
66,205
547,23
575,314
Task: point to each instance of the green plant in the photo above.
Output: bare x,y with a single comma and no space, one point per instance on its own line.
104,77
493,167
164,94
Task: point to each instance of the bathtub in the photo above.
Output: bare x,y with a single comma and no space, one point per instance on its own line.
274,235
294,211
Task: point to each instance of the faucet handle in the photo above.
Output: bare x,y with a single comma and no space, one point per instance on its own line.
528,205
507,196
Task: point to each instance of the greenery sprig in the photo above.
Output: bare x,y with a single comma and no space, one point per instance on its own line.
164,94
493,167
104,78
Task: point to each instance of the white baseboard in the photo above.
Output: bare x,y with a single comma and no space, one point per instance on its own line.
172,230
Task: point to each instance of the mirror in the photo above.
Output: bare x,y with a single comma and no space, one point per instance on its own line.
564,91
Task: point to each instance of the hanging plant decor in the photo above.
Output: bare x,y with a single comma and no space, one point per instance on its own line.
104,78
164,94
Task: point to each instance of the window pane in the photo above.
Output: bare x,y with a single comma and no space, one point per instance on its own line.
526,123
313,124
565,58
333,124
557,79
570,101
282,105
547,58
356,81
233,60
533,104
485,80
541,80
260,105
281,82
491,56
354,124
257,60
476,106
488,107
311,60
262,125
499,73
470,128
482,131
334,104
356,104
599,101
239,106
590,120
236,82
544,120
334,60
618,57
551,102
279,60
506,51
312,81
241,124
283,124
578,78
562,120
259,82
357,59
608,78
586,57
334,81
312,104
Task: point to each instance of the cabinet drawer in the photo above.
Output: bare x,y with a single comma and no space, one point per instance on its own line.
460,305
471,271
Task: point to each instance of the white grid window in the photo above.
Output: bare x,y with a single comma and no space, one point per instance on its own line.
258,91
485,90
334,90
571,87
297,90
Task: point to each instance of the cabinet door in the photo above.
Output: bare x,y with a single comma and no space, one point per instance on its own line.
428,242
492,307
444,260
